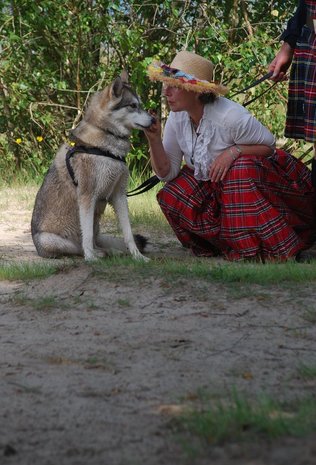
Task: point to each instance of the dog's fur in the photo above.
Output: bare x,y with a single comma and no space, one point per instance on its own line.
65,218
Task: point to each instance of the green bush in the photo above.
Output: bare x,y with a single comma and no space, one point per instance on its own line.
55,53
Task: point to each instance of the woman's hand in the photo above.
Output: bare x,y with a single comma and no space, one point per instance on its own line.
281,63
160,162
222,163
153,133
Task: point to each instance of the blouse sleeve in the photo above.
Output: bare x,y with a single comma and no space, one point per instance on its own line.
249,131
172,149
294,26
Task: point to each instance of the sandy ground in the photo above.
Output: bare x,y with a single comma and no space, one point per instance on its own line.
95,364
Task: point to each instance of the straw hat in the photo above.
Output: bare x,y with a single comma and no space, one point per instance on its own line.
188,71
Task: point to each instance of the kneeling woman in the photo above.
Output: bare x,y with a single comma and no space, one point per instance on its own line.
236,195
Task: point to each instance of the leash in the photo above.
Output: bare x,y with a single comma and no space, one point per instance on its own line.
260,95
145,186
91,151
154,180
255,83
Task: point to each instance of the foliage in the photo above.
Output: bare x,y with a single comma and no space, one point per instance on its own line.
54,54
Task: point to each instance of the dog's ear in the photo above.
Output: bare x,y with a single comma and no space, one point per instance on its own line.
124,76
118,84
117,87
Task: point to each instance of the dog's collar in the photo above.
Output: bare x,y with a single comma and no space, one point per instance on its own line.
90,151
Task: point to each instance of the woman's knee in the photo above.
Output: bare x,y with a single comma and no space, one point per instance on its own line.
160,196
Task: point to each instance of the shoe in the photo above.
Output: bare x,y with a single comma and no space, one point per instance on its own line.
305,256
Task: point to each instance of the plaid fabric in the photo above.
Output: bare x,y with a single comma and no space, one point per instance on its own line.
264,209
301,121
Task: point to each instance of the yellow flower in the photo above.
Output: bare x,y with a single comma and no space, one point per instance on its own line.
18,140
275,13
39,139
72,144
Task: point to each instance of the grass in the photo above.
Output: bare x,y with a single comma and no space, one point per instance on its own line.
310,315
270,273
246,273
242,419
45,303
208,269
214,421
124,303
307,372
144,212
19,195
26,271
41,304
147,218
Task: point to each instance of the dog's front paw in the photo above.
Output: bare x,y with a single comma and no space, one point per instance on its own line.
139,256
95,254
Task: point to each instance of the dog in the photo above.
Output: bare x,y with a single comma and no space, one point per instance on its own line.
83,179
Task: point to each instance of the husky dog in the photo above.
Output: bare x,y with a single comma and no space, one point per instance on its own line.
83,179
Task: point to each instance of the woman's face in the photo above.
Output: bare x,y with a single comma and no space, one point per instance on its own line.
179,99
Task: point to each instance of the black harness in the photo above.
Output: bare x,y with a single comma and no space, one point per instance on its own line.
90,151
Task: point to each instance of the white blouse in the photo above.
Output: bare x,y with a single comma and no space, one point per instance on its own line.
224,123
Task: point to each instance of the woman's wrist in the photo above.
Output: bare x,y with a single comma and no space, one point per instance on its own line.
286,46
235,151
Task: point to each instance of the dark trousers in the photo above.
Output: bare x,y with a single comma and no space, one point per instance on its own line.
314,172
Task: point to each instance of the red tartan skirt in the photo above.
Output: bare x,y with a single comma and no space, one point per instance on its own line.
264,209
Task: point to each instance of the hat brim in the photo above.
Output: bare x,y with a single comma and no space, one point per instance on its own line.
158,71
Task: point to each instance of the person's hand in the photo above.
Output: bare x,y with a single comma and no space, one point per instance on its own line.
281,63
222,163
154,131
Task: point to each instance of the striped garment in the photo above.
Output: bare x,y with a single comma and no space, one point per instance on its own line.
301,121
264,209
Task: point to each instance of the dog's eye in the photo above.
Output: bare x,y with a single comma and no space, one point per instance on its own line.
133,105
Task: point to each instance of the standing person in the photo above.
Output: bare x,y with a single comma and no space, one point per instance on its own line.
298,49
236,195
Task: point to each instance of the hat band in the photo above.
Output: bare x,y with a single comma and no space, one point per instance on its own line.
177,78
